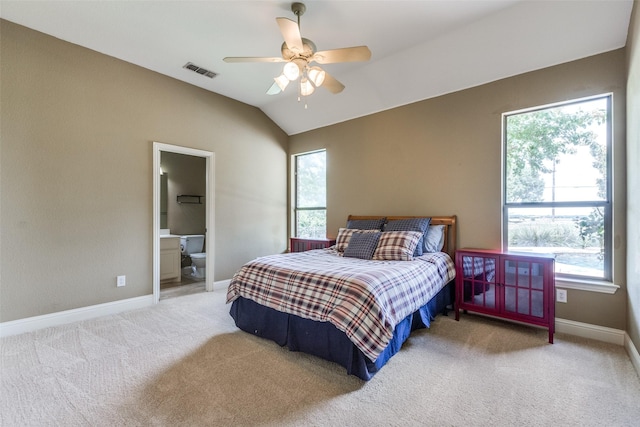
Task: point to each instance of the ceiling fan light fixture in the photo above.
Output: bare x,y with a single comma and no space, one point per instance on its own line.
298,53
282,81
306,88
291,71
316,75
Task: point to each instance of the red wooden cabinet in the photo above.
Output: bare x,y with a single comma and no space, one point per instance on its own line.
300,244
510,285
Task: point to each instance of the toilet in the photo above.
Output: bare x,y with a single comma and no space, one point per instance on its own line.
193,246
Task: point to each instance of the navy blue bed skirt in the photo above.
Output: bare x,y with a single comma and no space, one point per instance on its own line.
324,340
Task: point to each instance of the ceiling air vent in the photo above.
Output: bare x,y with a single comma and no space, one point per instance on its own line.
200,70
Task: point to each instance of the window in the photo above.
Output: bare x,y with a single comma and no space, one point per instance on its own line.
311,195
557,185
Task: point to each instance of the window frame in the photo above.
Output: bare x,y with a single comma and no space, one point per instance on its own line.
296,208
607,203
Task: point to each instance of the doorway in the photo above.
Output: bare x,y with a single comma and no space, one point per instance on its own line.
209,198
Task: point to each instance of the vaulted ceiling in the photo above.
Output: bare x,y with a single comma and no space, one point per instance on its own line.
420,49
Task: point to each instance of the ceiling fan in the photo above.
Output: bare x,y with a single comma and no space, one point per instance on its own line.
299,53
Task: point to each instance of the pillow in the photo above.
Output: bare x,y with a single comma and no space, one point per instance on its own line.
366,224
397,245
411,224
362,245
344,236
434,239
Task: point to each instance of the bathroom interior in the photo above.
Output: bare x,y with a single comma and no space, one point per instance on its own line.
182,224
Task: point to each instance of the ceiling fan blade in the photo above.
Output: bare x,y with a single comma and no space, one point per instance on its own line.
290,34
331,84
274,89
252,59
347,54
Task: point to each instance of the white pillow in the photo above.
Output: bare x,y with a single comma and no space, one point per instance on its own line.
434,240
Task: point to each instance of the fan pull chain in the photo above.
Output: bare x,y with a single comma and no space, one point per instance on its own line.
300,98
305,101
300,94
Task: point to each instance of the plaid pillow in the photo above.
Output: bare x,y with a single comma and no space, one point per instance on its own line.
397,245
411,224
344,236
362,245
366,224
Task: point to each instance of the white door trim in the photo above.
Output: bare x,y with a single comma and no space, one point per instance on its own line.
158,147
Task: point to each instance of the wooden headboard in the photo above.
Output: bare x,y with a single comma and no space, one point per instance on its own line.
449,231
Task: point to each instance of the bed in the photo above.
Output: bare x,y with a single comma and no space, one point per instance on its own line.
348,309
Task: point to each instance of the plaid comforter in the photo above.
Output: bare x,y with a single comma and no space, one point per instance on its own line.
365,299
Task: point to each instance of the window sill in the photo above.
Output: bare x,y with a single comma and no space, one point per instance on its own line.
587,285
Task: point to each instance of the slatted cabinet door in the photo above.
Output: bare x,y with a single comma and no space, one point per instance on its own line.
524,288
509,285
479,277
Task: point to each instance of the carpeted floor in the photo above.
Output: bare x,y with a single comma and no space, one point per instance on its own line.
184,363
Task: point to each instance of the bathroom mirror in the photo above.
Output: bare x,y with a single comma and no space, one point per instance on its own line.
164,200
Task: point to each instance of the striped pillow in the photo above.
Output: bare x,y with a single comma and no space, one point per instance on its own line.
397,245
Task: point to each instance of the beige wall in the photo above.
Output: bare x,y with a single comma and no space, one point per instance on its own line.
76,199
633,177
76,186
443,156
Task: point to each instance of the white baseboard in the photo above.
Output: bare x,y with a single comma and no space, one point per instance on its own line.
222,284
586,330
30,324
633,352
601,333
34,323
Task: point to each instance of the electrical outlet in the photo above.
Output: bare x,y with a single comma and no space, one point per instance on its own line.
121,281
561,295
